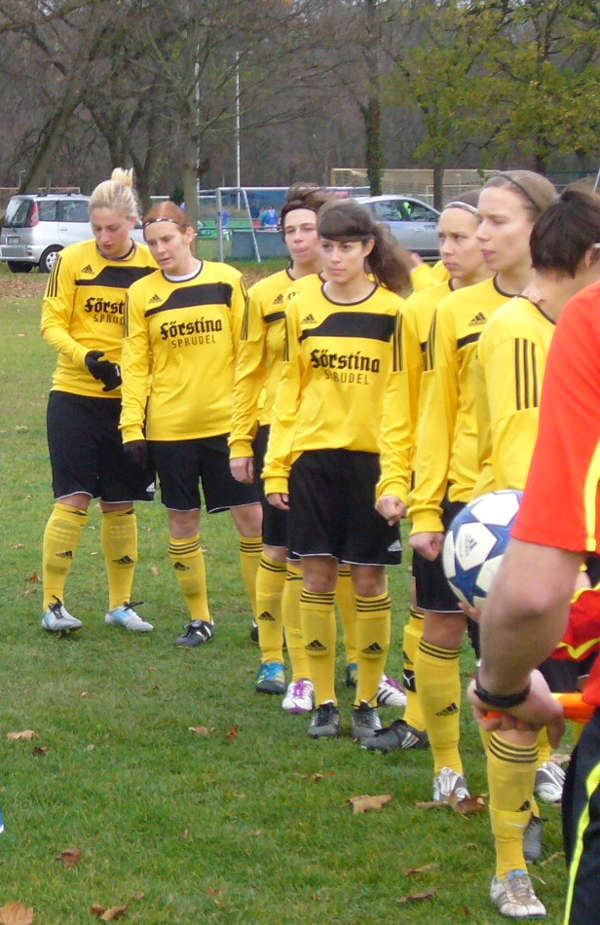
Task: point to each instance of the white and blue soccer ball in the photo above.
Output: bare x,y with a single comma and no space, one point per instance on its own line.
475,543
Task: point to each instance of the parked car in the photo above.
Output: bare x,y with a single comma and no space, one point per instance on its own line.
412,222
37,226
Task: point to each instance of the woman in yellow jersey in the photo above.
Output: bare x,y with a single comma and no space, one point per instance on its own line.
461,253
345,349
512,353
182,330
259,367
82,318
446,462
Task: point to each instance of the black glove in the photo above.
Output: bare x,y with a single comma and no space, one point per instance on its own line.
108,373
136,452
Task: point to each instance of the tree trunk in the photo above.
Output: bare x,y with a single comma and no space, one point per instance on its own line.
374,157
438,185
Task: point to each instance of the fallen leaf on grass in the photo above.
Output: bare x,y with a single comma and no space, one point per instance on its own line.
90,747
108,915
216,894
17,545
468,806
24,734
232,733
30,590
201,730
416,897
366,803
257,833
420,870
153,570
16,914
35,578
83,694
21,428
70,857
40,750
317,776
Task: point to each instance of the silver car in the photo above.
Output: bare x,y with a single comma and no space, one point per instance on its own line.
37,227
412,222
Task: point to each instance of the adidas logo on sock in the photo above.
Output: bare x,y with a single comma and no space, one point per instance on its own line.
125,560
525,807
373,649
265,615
155,298
310,319
478,319
87,269
278,300
315,646
180,567
67,554
449,710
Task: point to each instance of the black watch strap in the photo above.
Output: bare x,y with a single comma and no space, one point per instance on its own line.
500,701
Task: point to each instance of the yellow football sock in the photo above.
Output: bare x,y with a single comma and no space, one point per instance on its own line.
437,677
413,630
317,613
250,552
346,603
373,632
188,561
544,749
270,579
290,611
61,539
119,544
511,775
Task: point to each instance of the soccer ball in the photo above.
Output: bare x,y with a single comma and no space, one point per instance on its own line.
475,543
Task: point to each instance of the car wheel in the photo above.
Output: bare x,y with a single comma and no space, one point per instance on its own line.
19,266
48,259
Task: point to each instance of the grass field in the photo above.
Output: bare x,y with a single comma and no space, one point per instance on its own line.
249,823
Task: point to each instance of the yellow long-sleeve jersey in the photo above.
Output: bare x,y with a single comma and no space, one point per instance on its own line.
447,453
83,310
419,312
179,354
343,380
425,275
509,369
259,358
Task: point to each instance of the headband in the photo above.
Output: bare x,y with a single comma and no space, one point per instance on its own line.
152,221
507,176
459,204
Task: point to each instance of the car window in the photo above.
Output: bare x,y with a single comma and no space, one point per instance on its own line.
389,211
47,210
76,211
418,212
17,213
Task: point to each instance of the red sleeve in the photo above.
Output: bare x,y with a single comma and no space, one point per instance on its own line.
560,506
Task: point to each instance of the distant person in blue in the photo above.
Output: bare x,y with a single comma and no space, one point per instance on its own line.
270,219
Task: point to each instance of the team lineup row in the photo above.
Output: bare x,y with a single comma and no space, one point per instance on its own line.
319,408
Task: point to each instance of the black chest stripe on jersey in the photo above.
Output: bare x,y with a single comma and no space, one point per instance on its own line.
354,324
274,316
189,296
116,277
468,339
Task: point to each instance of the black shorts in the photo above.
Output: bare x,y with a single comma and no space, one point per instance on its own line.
86,450
275,521
563,674
332,501
432,588
581,827
181,464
